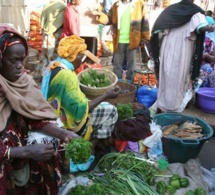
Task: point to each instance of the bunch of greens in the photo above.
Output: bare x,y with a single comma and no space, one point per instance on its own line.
79,150
127,161
124,182
94,79
125,111
87,190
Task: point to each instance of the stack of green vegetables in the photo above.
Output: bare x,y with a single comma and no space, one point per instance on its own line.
92,78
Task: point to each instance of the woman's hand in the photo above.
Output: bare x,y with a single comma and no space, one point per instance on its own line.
69,135
38,152
41,152
208,28
62,134
113,92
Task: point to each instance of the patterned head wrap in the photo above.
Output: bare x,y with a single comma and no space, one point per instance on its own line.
70,47
7,40
8,37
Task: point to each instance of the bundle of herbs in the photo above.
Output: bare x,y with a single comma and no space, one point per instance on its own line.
125,111
95,188
128,161
124,182
94,79
79,150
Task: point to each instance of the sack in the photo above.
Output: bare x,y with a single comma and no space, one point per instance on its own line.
81,167
147,95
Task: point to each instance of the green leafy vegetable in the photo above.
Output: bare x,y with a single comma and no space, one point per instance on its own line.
128,162
94,79
125,111
87,190
79,150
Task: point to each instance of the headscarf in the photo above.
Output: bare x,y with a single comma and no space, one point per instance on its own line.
7,40
52,16
9,37
23,95
174,16
69,47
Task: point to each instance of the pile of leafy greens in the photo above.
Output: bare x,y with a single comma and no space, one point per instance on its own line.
79,150
94,79
125,111
88,190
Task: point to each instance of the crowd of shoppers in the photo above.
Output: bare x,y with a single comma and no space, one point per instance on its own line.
181,38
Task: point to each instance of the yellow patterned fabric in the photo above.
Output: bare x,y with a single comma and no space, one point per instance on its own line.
69,47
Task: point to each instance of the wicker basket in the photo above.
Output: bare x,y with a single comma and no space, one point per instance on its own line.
92,92
125,97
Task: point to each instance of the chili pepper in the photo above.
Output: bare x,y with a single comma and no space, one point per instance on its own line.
190,192
184,182
200,191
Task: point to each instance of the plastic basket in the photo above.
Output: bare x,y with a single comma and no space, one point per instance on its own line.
92,92
178,149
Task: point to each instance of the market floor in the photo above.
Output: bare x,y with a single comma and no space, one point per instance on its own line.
207,153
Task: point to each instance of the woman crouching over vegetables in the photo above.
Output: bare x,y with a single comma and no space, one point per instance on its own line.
93,120
25,169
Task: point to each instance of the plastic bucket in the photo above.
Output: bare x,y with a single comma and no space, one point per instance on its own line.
178,149
206,99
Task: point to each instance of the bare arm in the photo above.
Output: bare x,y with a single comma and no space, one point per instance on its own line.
208,28
209,58
41,152
112,93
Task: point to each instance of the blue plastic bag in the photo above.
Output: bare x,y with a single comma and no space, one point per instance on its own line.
81,167
146,95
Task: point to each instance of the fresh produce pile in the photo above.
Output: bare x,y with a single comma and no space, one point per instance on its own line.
94,79
35,36
79,150
198,191
126,174
125,111
175,182
145,79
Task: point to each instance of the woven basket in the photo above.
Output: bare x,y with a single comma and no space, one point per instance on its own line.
92,92
125,97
